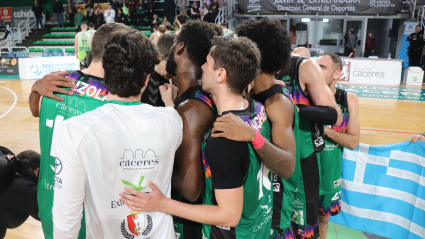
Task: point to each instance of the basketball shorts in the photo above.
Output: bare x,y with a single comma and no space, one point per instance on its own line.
287,233
82,55
330,204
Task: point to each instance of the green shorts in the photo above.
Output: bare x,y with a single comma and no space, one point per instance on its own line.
330,204
82,55
288,233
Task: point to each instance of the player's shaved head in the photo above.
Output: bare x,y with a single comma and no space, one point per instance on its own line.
302,51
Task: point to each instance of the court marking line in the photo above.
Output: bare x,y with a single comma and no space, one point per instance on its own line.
391,131
14,103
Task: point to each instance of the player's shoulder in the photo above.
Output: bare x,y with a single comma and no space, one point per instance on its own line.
352,97
165,112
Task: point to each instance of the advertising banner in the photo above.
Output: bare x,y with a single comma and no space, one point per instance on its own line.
5,14
9,66
20,14
36,68
371,72
409,27
321,6
383,190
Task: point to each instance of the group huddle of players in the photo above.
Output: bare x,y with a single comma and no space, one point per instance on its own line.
281,157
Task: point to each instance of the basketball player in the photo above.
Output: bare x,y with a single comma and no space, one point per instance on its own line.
82,42
308,87
275,53
198,112
238,195
302,52
347,134
130,142
90,93
91,30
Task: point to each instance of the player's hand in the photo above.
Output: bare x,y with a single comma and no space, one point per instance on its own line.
53,83
144,202
234,128
168,94
417,137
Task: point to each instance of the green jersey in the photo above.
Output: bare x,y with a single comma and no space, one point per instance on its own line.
90,94
224,160
284,190
331,156
91,32
83,39
309,142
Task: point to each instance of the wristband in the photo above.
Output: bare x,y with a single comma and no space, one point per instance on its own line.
258,141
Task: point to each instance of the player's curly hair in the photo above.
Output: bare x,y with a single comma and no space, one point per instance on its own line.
197,37
128,58
217,29
272,40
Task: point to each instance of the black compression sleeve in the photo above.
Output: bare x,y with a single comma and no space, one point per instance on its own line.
320,114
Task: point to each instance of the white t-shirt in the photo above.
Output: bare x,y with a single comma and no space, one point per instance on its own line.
109,15
118,145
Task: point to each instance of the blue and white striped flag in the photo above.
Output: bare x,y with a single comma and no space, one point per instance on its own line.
383,190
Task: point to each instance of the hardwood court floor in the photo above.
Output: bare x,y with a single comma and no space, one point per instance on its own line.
383,121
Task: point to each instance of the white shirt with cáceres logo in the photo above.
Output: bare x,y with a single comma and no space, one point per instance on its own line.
101,152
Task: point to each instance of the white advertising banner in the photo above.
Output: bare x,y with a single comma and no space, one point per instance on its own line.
36,68
371,72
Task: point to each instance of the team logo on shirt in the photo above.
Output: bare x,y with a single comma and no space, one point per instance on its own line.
137,224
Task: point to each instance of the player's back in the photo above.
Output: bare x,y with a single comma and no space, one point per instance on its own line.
122,144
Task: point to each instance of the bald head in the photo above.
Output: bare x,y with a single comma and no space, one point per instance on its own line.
302,51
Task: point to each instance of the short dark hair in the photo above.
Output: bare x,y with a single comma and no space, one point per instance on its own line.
102,36
168,26
91,25
273,41
218,31
128,59
223,24
197,37
89,58
418,26
32,157
241,59
182,18
336,60
164,44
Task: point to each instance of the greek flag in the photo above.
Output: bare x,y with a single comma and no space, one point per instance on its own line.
383,190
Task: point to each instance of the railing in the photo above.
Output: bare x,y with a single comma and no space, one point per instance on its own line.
31,23
225,12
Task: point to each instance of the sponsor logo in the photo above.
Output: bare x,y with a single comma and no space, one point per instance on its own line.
10,157
177,235
381,3
138,187
276,187
264,222
115,204
298,217
132,159
91,91
337,183
137,224
57,169
5,12
3,61
23,14
35,69
14,61
336,196
58,166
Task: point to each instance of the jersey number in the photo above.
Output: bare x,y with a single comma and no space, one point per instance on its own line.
263,180
85,42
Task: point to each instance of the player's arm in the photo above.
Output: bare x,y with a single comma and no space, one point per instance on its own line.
278,160
69,186
76,45
228,162
351,138
227,213
47,86
281,160
320,114
188,173
312,77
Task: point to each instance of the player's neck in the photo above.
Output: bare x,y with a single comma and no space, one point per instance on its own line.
95,69
128,99
333,87
263,82
187,75
227,101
